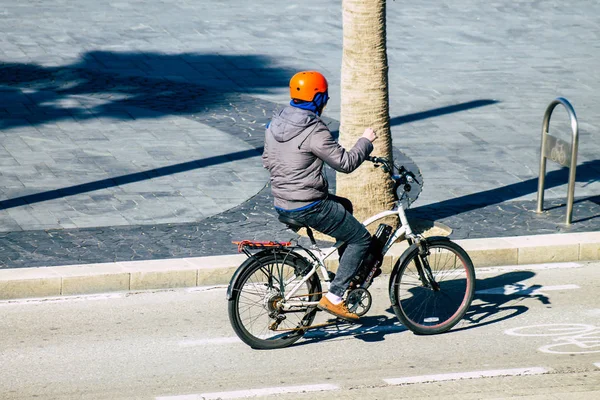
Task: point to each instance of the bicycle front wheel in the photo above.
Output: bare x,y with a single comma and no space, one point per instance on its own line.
255,310
431,292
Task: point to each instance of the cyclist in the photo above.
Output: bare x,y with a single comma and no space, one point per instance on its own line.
297,143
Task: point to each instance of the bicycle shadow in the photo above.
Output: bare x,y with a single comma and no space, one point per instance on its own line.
369,329
497,299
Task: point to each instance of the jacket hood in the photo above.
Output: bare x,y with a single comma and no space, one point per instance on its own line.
291,122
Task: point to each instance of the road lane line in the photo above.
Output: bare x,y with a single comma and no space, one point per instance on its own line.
210,341
62,299
239,394
595,312
466,375
523,289
527,267
205,288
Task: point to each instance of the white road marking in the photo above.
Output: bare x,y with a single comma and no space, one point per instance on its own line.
466,375
567,338
205,288
239,394
98,296
550,330
523,289
211,341
593,312
62,299
527,267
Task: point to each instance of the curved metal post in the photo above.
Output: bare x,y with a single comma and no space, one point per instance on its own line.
560,152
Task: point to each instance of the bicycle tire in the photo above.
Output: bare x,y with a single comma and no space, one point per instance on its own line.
259,287
420,308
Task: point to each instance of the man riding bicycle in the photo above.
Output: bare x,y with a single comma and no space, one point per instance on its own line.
297,143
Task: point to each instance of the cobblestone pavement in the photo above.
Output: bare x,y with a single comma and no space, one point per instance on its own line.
133,129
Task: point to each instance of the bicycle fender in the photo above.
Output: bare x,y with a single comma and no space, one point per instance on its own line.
249,262
239,271
443,238
405,254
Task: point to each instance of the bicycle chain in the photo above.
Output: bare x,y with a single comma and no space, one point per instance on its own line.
332,322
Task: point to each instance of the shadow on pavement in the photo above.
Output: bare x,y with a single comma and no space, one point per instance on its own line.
168,84
436,112
370,329
593,199
125,179
123,85
588,172
497,299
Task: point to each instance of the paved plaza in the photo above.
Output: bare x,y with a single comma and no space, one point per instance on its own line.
133,129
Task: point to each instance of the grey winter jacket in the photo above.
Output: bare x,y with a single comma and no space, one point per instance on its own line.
297,142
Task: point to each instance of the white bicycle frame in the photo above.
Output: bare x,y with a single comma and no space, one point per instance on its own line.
320,255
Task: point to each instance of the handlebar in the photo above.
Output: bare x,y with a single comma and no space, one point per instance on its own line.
404,174
381,160
372,159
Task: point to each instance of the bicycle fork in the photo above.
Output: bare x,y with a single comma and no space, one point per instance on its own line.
423,267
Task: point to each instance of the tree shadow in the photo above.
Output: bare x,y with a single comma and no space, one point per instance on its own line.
434,112
120,83
127,86
216,90
126,179
437,112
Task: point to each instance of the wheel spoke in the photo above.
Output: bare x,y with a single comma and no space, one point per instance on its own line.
420,307
255,303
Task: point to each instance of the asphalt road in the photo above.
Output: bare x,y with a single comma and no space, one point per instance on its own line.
531,334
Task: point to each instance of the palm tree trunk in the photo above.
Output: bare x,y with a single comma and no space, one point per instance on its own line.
365,103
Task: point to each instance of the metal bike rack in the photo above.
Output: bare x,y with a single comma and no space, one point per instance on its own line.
560,152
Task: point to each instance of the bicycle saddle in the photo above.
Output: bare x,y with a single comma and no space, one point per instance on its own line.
292,223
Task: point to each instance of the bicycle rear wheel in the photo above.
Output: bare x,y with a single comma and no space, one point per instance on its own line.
431,293
253,308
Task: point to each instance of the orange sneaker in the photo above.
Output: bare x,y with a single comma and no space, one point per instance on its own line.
339,310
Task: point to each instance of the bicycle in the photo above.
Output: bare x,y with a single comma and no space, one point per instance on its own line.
273,295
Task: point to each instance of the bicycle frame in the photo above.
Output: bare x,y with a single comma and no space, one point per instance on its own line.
319,255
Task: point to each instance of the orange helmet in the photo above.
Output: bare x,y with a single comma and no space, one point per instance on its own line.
306,84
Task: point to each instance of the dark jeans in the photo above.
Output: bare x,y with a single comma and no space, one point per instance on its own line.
333,217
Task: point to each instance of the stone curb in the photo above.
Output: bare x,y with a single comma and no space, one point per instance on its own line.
217,270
